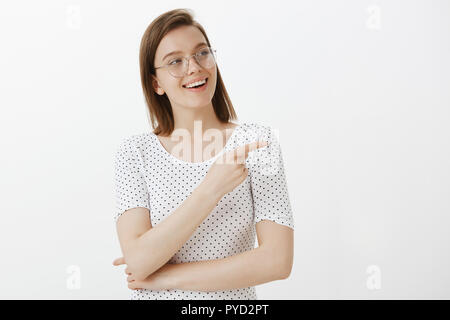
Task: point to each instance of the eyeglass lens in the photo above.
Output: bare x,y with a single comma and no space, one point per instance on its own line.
204,57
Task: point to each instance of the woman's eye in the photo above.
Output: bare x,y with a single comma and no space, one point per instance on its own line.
175,61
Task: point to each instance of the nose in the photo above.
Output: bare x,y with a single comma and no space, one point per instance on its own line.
193,66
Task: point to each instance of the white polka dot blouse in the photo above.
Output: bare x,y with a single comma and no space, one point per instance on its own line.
147,175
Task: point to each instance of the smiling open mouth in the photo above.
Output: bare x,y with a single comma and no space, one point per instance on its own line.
199,86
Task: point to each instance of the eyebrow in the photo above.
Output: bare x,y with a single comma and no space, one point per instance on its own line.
173,52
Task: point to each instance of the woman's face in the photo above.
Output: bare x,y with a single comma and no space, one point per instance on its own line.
184,39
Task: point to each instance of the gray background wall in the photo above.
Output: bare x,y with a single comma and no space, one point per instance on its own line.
359,91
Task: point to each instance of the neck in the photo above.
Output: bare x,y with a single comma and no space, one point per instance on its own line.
196,120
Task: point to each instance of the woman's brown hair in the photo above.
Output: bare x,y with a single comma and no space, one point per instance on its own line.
159,106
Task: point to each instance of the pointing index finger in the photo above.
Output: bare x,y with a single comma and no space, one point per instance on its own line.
243,151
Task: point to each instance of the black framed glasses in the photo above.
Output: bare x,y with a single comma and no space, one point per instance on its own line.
178,66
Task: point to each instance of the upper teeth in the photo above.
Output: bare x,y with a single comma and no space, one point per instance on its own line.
196,83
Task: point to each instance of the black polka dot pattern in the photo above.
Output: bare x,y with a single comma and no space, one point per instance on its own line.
146,175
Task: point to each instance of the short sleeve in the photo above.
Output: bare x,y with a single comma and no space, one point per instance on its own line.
268,181
130,188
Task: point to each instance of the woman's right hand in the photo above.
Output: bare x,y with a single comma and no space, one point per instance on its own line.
229,171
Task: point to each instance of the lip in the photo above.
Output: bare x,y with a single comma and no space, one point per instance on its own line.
195,80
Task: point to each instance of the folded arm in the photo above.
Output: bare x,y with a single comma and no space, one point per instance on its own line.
271,260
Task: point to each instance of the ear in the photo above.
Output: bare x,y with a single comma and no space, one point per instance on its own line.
156,86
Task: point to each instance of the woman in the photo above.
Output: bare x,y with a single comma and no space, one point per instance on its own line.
186,222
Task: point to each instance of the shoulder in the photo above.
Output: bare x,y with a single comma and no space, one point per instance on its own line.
257,130
134,143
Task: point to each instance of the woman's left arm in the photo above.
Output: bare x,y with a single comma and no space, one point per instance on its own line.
271,260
